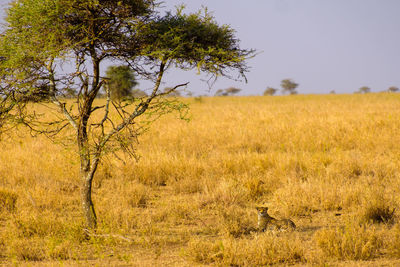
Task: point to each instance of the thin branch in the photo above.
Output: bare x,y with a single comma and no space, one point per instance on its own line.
55,99
118,110
96,108
106,112
173,89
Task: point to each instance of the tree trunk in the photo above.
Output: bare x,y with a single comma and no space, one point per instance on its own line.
87,173
86,198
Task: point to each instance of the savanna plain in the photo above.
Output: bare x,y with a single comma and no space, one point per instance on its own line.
330,163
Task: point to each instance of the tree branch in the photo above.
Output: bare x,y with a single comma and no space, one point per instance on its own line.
53,91
173,89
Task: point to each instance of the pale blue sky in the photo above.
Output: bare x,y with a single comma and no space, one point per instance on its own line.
323,45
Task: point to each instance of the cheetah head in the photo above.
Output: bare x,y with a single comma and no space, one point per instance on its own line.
262,210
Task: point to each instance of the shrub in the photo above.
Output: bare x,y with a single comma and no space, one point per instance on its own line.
376,209
378,214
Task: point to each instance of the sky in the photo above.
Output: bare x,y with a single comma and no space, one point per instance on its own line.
322,45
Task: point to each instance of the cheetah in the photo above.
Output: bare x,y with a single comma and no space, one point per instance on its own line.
266,222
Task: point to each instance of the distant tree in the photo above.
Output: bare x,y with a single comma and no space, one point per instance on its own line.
220,92
228,91
172,92
270,91
137,93
289,86
363,90
121,81
332,92
69,93
232,91
393,89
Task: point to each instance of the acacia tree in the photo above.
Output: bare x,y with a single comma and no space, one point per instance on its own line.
41,37
289,86
364,90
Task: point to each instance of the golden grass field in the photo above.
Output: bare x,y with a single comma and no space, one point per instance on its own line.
330,163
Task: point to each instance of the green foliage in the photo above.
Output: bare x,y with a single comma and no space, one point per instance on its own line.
289,86
23,47
194,41
121,81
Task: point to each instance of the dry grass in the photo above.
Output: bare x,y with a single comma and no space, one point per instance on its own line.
330,163
256,250
350,242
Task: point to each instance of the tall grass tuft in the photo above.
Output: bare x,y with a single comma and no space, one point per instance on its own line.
351,242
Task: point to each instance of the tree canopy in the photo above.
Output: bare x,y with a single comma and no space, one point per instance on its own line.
270,91
289,86
61,46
